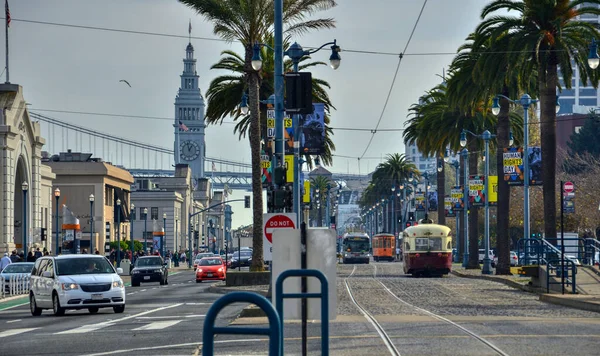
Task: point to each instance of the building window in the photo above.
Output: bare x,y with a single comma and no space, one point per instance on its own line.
142,212
154,213
107,196
133,215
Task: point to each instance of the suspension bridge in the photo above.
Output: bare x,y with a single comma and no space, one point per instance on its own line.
146,160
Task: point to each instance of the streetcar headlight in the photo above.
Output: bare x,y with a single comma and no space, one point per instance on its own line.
368,255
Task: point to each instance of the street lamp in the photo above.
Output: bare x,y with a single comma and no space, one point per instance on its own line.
393,196
92,223
486,136
132,215
295,52
465,155
118,233
57,196
593,59
145,230
163,238
25,188
525,101
244,105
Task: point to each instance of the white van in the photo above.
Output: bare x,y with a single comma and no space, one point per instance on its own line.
482,255
75,282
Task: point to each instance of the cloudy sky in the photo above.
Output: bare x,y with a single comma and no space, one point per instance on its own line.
74,69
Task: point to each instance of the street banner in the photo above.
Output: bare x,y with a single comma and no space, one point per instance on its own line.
306,194
476,190
312,139
568,205
448,207
513,163
266,169
493,189
289,166
419,201
458,198
432,200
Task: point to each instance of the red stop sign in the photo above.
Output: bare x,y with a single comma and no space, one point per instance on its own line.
568,187
277,222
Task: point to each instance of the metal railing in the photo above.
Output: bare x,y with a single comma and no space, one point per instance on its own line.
14,284
274,329
592,251
555,266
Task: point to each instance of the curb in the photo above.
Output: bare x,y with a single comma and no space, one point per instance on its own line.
499,280
222,290
571,303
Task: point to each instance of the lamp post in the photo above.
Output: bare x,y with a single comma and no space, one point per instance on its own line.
145,230
525,101
176,249
131,232
296,53
456,166
486,136
465,155
118,233
57,197
394,210
25,188
328,207
92,223
163,238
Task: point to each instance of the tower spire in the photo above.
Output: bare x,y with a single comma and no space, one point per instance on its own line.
190,31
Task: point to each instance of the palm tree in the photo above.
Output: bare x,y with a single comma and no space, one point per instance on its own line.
321,186
251,22
225,91
544,36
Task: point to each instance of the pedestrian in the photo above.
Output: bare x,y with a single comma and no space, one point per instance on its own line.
97,252
5,261
38,253
21,256
84,251
14,257
397,253
30,257
46,253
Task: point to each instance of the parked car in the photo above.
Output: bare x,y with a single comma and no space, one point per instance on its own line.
16,269
241,259
482,255
573,258
75,282
149,269
211,268
514,259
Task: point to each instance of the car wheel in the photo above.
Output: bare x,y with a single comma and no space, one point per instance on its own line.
135,284
35,311
198,281
119,309
162,282
56,308
93,310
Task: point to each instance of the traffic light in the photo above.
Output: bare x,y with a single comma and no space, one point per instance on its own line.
411,216
289,199
196,235
247,202
270,201
280,198
299,92
44,234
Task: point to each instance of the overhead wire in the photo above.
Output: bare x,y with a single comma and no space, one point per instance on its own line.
387,99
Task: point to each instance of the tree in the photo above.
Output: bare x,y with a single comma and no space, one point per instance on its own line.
544,36
224,93
586,140
320,185
251,22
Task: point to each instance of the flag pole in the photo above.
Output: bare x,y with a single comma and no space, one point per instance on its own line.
6,22
177,159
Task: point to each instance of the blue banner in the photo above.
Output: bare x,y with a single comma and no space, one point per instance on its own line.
312,139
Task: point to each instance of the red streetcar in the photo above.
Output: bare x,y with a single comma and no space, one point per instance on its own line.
427,249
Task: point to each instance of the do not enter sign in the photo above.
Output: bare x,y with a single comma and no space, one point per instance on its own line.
272,222
568,187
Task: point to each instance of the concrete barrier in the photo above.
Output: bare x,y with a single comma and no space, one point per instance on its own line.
235,278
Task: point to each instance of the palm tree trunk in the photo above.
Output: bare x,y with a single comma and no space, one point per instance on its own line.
548,130
441,194
502,213
257,201
473,212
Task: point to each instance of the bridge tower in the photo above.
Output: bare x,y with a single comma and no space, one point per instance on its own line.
190,146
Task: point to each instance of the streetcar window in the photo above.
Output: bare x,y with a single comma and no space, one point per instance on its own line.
449,245
387,243
435,243
421,243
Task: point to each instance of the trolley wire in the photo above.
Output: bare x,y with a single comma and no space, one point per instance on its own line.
387,99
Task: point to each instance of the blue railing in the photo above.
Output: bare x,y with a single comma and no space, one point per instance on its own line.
555,266
274,330
324,301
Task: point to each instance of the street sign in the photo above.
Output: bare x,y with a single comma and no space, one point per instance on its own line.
270,223
568,187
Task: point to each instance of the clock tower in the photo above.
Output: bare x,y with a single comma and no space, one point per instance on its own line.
190,147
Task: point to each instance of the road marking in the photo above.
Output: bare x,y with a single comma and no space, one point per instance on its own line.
158,325
13,321
131,293
172,316
173,346
143,290
84,329
12,306
197,303
15,332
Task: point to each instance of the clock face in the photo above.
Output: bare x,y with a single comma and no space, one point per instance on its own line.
190,150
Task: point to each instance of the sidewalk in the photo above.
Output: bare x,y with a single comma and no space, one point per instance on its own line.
577,301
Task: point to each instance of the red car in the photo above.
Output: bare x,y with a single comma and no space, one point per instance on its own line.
211,268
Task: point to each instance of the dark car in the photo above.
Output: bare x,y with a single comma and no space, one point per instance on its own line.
149,269
242,260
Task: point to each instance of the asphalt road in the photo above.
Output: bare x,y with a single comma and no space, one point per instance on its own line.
158,320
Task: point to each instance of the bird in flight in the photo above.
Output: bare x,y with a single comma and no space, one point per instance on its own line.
124,81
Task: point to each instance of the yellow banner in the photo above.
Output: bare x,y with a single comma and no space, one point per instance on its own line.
306,196
493,189
289,165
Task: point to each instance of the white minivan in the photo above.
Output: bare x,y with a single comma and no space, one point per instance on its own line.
75,282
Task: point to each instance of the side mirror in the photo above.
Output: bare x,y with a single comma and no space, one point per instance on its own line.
119,270
47,274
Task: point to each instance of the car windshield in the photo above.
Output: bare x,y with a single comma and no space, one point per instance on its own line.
18,268
71,266
144,262
210,262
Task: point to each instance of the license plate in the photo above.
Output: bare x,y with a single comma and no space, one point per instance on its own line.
96,296
146,277
209,274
